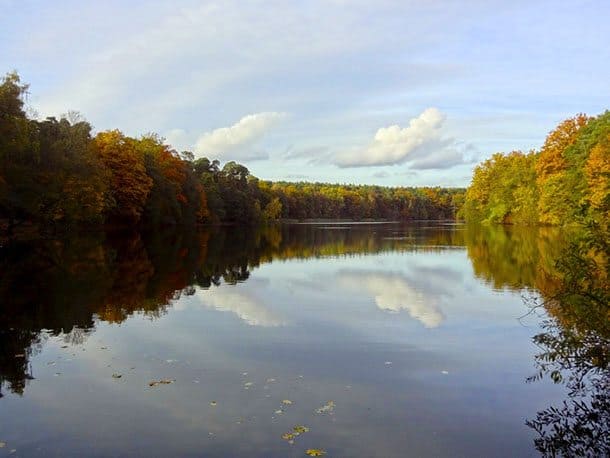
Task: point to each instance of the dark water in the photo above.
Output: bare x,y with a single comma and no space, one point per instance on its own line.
419,335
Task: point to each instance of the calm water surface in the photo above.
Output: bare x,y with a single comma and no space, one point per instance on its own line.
382,340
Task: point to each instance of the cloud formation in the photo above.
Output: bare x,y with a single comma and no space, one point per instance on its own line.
237,141
421,143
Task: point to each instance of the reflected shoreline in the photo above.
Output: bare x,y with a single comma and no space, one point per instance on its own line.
65,285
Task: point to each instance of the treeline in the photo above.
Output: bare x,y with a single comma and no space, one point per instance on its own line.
567,181
55,173
234,195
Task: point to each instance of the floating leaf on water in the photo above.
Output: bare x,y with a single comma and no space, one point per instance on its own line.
300,429
315,452
51,363
161,382
287,436
326,408
117,375
279,411
213,403
64,346
20,355
2,444
103,348
286,402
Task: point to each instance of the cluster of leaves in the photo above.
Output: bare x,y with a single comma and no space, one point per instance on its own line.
55,173
567,181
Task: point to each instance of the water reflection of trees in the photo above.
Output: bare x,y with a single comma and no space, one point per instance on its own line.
64,287
514,257
575,351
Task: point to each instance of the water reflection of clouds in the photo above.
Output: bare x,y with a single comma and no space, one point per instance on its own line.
242,303
395,292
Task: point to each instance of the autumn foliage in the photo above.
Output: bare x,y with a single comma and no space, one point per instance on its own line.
566,182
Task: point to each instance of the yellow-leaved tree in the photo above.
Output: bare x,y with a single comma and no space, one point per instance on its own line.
554,194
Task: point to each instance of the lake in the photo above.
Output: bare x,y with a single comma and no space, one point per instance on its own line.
368,340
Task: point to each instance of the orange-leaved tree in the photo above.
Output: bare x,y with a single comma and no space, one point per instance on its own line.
130,185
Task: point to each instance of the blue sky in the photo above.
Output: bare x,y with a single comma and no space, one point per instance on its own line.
385,92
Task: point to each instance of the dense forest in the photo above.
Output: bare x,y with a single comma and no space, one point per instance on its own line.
56,173
567,181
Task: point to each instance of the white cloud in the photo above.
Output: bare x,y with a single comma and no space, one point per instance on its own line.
421,143
393,292
237,141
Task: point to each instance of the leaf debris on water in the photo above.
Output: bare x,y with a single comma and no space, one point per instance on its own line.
315,452
286,402
117,375
161,382
329,407
296,431
2,444
213,403
20,355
